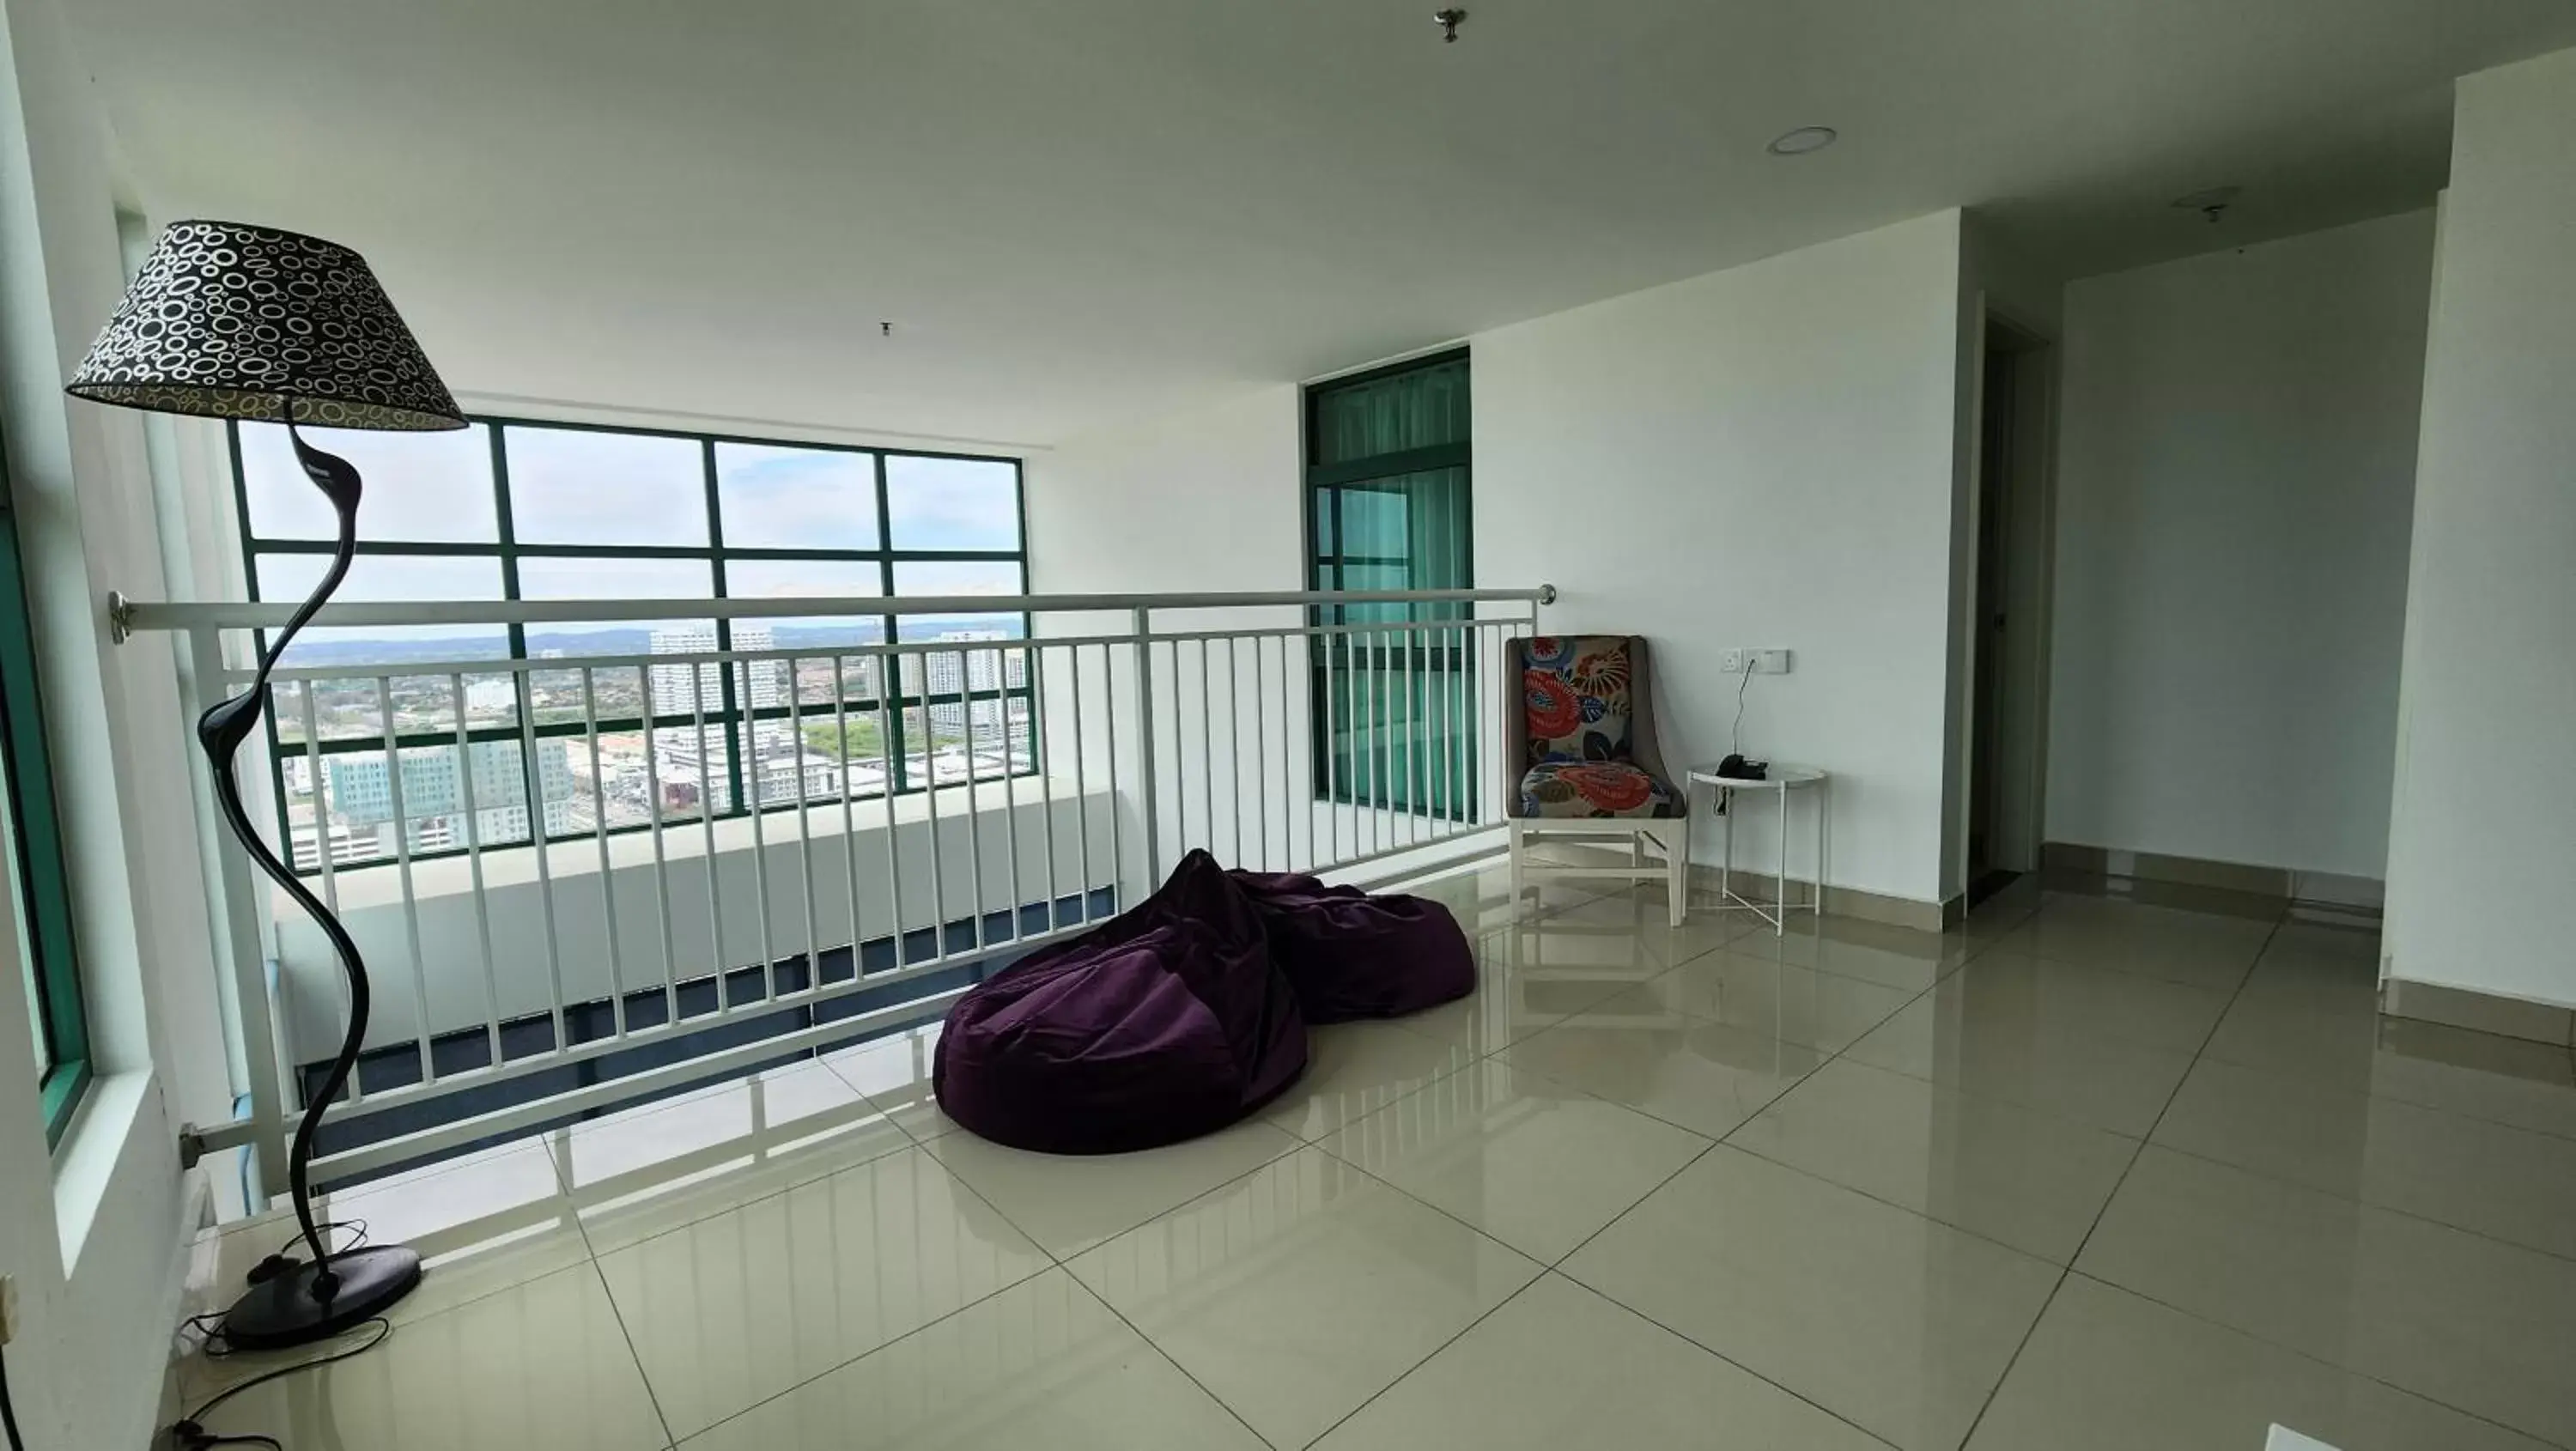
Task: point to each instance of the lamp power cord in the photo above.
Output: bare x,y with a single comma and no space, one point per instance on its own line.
190,1433
8,1412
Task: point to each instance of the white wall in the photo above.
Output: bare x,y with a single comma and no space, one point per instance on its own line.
92,1232
1757,457
2483,840
2235,483
1761,456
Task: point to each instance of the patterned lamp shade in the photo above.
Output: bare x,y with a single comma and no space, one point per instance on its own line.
228,320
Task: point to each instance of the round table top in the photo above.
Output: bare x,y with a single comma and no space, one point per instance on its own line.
1782,776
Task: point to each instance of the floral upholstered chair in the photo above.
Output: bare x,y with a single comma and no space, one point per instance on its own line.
1583,750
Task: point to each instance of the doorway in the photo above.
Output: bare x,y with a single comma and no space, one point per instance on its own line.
2008,701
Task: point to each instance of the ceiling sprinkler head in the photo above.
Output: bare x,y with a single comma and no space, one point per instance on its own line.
1448,23
2211,203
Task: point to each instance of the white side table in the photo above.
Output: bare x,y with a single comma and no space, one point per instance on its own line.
1780,780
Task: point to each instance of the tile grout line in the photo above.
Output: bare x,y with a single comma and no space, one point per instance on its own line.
1717,1354
1555,1267
1058,1263
2372,1205
617,1310
599,1277
2100,1214
2311,1358
1052,1263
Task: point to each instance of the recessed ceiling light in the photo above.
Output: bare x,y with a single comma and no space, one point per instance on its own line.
1803,140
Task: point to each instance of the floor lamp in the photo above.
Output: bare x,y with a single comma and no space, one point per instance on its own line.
226,320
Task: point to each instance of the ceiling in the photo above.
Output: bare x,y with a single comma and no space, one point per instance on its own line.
1079,211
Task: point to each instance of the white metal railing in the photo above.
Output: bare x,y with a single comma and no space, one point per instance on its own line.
563,882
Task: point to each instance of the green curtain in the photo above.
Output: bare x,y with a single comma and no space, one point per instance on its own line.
1389,462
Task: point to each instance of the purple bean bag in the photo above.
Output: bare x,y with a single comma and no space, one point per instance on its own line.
1165,1022
1351,955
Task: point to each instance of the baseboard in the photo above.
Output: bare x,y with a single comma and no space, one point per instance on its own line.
2360,896
1839,901
1756,887
2460,1007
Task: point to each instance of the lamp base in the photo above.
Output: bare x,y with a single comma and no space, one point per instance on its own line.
281,1312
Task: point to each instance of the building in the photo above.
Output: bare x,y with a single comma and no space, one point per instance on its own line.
759,683
968,670
361,796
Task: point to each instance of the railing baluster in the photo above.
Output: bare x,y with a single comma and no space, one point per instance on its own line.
1261,751
1117,848
474,866
1287,733
749,739
887,711
1375,680
242,892
1081,791
1034,669
535,787
930,798
402,869
1234,748
1010,791
1180,761
974,809
1417,780
1148,785
1445,758
653,827
849,807
707,828
1509,778
323,858
1207,743
599,832
1331,720
804,826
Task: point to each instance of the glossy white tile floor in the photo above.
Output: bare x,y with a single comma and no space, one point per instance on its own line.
2089,1173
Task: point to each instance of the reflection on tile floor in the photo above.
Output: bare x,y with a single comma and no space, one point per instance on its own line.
1650,1186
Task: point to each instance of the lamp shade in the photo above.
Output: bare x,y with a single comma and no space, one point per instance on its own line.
228,320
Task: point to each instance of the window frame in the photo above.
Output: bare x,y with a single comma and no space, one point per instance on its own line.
41,872
730,715
1317,478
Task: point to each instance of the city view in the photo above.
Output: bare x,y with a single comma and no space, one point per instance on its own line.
620,741
703,744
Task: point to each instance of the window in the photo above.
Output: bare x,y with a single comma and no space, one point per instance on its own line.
516,510
46,952
1387,463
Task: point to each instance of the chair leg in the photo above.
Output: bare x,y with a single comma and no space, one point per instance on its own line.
1676,841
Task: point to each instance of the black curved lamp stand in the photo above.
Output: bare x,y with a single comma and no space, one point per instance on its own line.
290,1303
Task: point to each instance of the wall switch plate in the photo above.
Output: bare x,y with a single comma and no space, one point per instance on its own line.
1769,662
8,1309
1730,662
